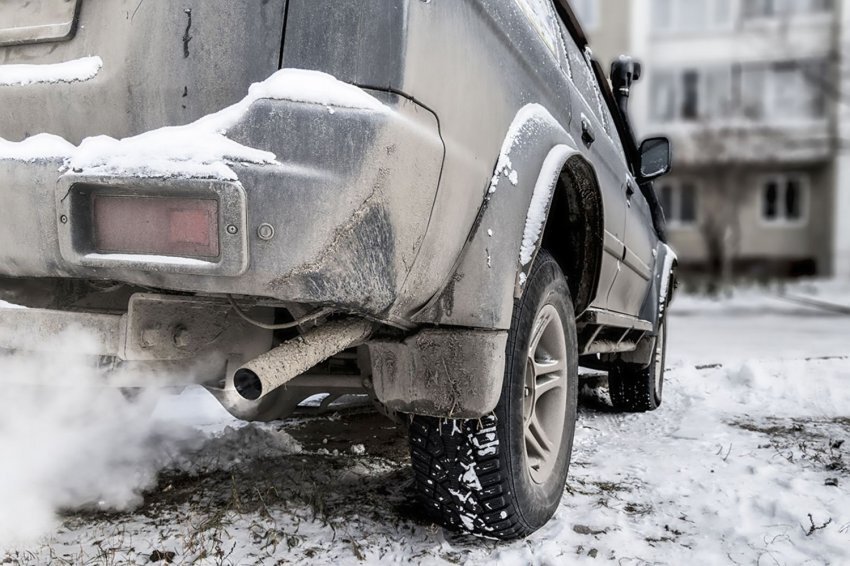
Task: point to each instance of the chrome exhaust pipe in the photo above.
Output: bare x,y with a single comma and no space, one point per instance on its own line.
276,368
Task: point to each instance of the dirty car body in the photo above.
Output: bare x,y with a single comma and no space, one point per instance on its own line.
396,216
379,195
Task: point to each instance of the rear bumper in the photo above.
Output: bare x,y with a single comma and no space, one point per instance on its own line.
160,339
348,201
174,340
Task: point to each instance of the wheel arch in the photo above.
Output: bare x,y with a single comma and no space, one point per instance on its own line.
575,228
540,166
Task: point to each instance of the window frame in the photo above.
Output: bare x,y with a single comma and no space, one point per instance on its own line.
582,55
699,92
592,20
782,181
527,9
713,26
766,98
611,121
795,17
770,97
676,189
678,99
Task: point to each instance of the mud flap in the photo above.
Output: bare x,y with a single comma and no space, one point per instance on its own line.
441,373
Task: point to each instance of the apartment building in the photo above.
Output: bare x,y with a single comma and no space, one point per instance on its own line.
754,94
608,24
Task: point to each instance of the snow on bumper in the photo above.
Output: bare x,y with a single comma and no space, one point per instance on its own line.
318,201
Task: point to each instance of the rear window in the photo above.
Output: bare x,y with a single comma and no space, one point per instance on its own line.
542,16
584,79
585,82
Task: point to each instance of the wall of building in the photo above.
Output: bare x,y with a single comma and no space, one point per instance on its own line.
737,41
734,200
801,124
841,197
608,28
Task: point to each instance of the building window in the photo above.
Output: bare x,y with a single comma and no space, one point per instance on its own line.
662,15
713,15
693,18
764,92
587,12
718,92
690,95
663,93
795,90
691,15
783,199
722,14
758,9
784,91
679,200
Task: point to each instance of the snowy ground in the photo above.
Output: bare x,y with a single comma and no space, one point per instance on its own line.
746,463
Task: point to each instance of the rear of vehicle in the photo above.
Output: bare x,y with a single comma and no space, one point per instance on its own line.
173,185
146,186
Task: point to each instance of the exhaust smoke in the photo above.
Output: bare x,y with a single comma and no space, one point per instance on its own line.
68,440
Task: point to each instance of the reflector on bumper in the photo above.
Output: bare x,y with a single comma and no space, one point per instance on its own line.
155,226
188,226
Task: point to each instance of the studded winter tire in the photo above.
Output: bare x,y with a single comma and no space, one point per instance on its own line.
503,476
637,389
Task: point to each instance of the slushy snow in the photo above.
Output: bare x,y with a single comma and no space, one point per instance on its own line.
746,462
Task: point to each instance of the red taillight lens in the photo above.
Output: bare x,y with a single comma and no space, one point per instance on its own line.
156,226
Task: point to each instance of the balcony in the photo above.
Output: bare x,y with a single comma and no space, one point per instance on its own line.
789,143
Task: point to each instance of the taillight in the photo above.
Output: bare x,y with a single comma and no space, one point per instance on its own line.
156,226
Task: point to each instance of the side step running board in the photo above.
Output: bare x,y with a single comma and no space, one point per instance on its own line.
602,332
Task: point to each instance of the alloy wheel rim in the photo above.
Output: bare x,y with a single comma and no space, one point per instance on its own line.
545,394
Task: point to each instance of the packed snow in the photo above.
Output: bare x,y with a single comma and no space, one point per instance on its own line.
78,70
540,199
45,147
745,463
200,149
524,125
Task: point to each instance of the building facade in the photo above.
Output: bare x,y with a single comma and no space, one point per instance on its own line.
608,24
756,98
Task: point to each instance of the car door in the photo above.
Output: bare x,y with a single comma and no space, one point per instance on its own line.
635,267
634,279
588,127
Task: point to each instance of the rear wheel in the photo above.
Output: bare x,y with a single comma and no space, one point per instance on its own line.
636,389
503,475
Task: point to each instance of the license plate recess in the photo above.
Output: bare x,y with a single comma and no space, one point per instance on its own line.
37,21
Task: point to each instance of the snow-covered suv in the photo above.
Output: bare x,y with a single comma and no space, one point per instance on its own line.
438,203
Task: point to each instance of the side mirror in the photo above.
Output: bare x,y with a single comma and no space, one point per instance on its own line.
655,158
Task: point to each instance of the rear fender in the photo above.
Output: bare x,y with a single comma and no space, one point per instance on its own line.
509,226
